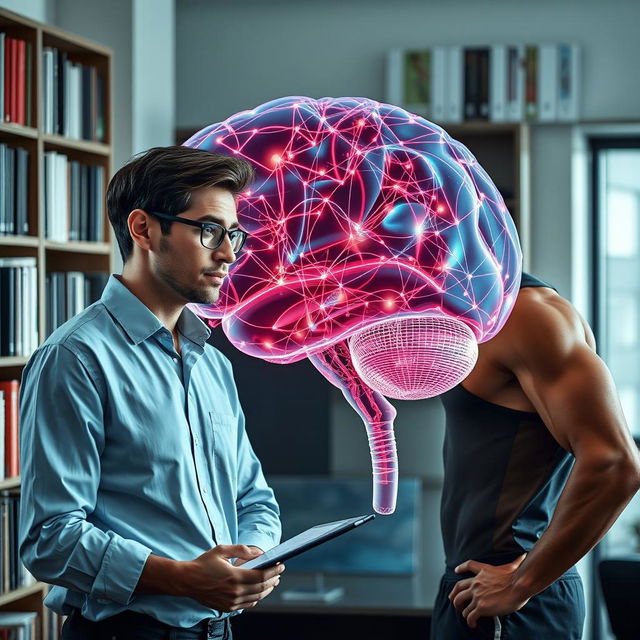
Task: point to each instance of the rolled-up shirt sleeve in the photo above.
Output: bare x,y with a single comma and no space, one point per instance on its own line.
61,439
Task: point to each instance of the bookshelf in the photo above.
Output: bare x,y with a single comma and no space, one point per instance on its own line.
503,150
94,149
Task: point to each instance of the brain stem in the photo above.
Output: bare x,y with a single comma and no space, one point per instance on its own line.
378,414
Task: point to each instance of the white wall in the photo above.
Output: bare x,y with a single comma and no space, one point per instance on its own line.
153,74
40,10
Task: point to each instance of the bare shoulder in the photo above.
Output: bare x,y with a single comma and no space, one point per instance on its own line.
544,327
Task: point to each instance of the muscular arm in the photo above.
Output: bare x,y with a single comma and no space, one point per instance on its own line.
572,390
547,349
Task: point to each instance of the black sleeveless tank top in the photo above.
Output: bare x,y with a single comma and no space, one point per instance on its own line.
504,473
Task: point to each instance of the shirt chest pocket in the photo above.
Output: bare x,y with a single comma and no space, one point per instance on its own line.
224,440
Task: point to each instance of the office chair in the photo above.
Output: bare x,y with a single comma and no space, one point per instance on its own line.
620,581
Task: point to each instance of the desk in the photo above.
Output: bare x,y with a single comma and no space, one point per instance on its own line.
372,608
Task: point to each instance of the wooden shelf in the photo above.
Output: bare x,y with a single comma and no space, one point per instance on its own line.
19,241
13,362
481,126
86,146
19,594
99,248
18,130
9,483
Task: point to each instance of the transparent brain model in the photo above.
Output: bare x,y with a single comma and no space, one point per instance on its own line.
379,249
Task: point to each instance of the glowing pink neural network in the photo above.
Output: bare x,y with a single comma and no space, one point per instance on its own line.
379,249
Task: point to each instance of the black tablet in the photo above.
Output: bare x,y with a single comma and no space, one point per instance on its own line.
305,540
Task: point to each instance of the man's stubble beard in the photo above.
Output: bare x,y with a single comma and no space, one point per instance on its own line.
194,295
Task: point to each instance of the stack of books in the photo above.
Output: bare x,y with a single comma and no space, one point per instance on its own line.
16,69
14,190
13,574
74,96
19,310
19,625
74,194
67,293
498,83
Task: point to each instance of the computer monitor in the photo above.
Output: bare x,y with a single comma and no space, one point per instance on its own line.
387,546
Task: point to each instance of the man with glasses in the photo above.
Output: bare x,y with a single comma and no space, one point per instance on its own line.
139,485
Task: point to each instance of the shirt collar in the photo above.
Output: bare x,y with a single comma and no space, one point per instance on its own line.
140,323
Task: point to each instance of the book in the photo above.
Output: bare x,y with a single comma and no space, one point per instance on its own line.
3,189
47,82
8,79
455,84
62,121
2,74
417,82
14,80
28,83
531,82
484,100
22,191
11,440
2,434
21,70
471,84
515,83
101,127
547,82
568,82
439,84
498,88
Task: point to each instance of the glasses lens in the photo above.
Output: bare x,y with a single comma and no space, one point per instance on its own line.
237,238
212,236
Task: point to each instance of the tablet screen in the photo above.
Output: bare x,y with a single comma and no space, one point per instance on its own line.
305,540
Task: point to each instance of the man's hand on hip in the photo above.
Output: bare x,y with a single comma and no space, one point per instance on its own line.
490,592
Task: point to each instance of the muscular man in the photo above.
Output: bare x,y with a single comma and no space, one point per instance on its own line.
139,483
538,464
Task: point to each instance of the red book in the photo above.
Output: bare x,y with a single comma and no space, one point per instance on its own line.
21,64
8,51
14,80
11,441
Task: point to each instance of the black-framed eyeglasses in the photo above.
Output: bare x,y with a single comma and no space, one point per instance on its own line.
211,233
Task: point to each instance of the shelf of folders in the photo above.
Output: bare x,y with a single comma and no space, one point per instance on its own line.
497,83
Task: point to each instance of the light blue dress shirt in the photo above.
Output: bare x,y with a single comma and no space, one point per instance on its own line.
128,449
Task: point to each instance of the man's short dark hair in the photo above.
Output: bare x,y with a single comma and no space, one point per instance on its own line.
163,179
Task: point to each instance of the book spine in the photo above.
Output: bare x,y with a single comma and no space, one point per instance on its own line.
471,89
515,83
8,77
439,83
568,82
21,70
547,82
12,455
498,77
455,84
3,37
484,99
531,82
